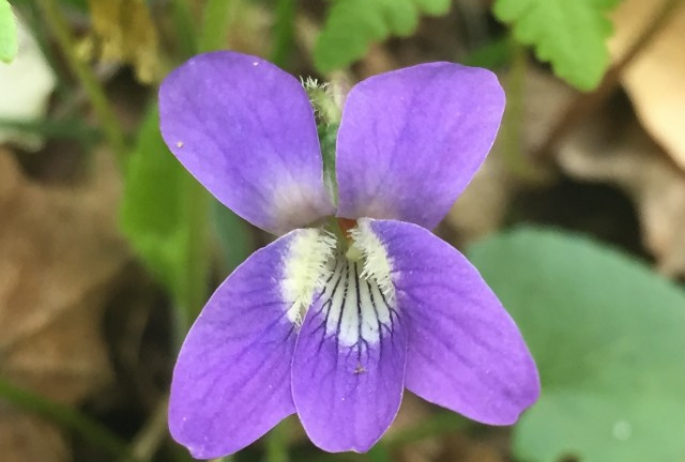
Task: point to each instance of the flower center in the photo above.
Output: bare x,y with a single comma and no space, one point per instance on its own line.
352,307
347,281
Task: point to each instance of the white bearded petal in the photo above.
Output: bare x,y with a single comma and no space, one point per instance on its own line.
377,263
354,290
306,265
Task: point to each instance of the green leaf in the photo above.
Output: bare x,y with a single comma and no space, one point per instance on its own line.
165,217
8,33
571,35
352,25
607,335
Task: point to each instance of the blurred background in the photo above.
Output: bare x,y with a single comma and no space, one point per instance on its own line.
109,249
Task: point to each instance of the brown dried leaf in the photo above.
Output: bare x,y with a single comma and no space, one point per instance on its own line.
26,438
655,79
61,257
126,33
482,206
624,155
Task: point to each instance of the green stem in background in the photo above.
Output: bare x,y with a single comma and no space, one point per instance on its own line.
277,444
511,140
213,36
192,298
88,429
512,123
235,238
197,206
69,129
52,14
284,32
185,27
216,19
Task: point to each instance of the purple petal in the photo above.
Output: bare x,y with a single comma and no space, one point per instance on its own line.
410,140
349,361
465,352
231,383
246,131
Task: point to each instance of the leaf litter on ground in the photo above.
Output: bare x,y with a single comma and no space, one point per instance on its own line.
61,259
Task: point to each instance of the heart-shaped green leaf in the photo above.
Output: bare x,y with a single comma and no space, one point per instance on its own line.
608,335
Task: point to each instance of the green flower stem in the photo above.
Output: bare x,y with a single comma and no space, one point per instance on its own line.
53,17
328,114
327,139
90,430
333,225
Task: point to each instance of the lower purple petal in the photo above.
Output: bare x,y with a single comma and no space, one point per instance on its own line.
465,352
348,367
231,383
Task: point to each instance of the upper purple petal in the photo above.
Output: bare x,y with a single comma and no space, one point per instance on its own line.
411,140
231,383
465,352
245,129
348,366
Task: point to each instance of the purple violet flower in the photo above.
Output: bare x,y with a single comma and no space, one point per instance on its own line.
335,328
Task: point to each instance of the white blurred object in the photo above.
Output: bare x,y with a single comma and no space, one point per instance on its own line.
25,86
